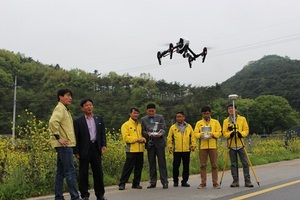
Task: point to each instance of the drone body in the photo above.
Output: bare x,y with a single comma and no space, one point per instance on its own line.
182,47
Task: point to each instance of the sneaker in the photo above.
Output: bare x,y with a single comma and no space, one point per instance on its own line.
121,187
201,186
235,184
248,184
217,186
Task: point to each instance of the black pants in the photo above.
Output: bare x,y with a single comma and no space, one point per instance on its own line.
161,158
136,161
177,157
93,158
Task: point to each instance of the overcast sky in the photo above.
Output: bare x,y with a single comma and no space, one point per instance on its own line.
124,35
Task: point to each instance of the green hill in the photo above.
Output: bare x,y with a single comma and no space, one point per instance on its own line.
271,75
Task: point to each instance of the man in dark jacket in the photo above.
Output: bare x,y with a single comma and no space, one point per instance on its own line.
90,144
155,145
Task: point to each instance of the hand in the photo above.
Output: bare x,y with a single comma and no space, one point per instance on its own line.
192,148
63,142
239,135
159,134
232,134
77,155
103,149
170,150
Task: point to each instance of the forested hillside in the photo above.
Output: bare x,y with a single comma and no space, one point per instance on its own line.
271,75
114,94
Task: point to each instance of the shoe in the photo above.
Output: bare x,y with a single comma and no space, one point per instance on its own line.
185,185
85,198
122,187
248,184
137,187
235,184
175,184
151,186
165,186
217,186
201,186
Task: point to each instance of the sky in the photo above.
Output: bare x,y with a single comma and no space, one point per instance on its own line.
124,36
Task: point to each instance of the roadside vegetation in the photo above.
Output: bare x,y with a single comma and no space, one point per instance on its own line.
27,164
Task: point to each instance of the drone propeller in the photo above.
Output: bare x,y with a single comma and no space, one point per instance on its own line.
171,50
204,52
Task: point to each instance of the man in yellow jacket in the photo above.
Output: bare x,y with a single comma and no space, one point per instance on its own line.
208,130
62,138
132,136
235,129
181,142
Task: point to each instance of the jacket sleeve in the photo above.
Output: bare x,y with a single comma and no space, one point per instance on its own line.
144,128
197,131
103,133
226,132
170,137
55,120
218,130
193,138
245,128
76,130
164,126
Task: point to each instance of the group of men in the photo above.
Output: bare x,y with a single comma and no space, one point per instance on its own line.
85,137
181,140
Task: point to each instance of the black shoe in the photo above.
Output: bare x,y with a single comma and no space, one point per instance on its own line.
175,184
122,187
185,185
85,198
137,187
165,186
151,186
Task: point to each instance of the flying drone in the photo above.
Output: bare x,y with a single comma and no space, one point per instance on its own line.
183,48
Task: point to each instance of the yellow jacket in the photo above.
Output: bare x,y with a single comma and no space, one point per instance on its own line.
61,123
241,126
131,131
216,131
182,141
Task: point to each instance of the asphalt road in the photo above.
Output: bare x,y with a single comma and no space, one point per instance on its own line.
278,181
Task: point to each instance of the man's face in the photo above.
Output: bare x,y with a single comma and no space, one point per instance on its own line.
231,110
134,115
180,118
66,99
150,112
206,115
87,108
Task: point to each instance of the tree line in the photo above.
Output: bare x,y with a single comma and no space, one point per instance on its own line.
114,94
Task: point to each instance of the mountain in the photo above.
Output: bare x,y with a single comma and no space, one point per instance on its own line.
271,75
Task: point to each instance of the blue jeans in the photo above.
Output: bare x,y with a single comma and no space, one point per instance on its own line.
65,169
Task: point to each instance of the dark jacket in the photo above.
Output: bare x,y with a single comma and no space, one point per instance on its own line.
158,142
83,137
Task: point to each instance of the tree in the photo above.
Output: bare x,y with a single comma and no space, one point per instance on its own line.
270,112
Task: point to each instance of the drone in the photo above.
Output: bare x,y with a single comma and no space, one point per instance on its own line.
183,48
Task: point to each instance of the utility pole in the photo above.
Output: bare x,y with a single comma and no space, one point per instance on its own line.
14,112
